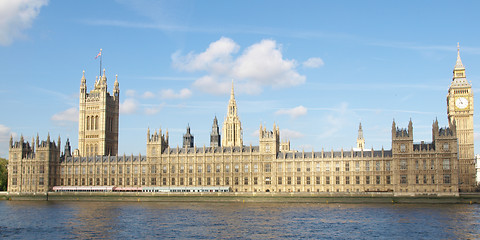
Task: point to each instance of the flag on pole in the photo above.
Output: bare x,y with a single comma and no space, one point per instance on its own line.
99,54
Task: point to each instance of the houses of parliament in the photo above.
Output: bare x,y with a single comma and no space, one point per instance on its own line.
442,167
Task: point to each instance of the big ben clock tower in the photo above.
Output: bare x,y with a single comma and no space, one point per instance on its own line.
460,112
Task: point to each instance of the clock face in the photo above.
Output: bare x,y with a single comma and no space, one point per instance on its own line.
461,103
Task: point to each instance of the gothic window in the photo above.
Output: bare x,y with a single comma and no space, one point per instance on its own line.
403,148
445,146
268,167
88,122
403,179
96,122
446,179
446,164
403,164
245,168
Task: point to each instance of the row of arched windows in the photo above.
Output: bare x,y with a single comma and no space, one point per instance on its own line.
92,122
92,149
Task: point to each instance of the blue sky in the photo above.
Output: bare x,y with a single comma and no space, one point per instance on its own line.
315,68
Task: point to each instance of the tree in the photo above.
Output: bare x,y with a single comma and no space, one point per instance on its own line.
3,174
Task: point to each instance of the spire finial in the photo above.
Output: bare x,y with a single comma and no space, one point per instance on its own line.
459,64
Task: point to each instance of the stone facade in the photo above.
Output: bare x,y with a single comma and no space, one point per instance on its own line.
408,168
98,118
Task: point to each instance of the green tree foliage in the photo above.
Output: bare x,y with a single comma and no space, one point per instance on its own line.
3,174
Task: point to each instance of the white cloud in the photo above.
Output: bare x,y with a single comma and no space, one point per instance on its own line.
216,58
154,109
16,16
259,65
128,106
130,93
336,120
290,134
313,62
148,94
171,94
209,84
69,115
293,112
5,133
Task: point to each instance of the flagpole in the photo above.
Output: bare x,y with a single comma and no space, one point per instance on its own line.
100,62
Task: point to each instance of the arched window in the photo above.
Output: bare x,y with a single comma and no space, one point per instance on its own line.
96,122
96,149
88,122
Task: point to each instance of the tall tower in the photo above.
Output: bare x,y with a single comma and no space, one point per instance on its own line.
460,113
360,139
232,127
215,137
98,118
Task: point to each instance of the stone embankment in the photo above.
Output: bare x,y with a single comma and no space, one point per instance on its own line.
388,198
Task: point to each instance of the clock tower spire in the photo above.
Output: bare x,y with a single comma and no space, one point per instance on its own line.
460,114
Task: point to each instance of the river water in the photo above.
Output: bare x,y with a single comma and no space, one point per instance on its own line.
160,220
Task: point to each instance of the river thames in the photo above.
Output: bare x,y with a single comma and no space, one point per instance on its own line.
159,220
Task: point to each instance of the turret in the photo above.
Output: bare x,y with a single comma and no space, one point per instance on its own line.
360,139
269,140
156,143
83,85
215,137
116,89
188,139
68,150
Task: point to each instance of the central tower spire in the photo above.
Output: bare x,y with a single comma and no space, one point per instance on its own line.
232,127
360,139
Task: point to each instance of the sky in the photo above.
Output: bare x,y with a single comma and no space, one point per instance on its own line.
314,68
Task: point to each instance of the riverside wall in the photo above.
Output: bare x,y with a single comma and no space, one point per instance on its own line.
385,198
